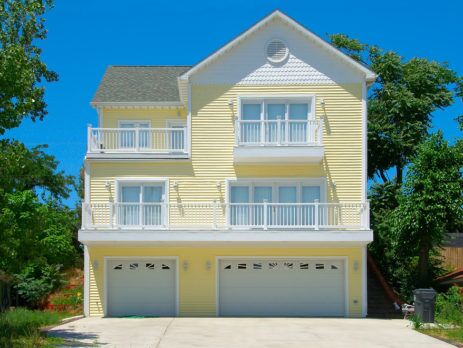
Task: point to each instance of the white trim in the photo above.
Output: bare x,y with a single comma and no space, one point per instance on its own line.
86,282
313,238
100,116
189,117
87,191
345,259
368,74
364,283
176,104
105,272
278,155
364,143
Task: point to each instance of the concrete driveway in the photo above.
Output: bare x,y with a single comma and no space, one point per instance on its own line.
241,333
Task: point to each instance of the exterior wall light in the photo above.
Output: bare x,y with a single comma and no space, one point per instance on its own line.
356,265
185,265
107,185
96,265
334,184
208,265
175,185
322,102
230,103
218,184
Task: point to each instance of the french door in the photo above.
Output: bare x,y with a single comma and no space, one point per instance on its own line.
130,138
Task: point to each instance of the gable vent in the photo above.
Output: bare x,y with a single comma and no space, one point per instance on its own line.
277,51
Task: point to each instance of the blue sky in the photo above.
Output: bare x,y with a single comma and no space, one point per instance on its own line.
86,36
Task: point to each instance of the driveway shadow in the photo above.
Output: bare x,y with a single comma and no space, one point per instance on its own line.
75,339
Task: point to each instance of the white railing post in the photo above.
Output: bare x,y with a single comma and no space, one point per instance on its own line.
265,217
263,129
237,131
366,214
137,139
279,130
320,132
84,215
111,214
214,214
316,214
89,137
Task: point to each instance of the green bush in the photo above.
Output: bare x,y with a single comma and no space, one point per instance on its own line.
24,323
449,307
35,283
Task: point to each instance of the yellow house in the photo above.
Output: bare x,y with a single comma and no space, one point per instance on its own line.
235,187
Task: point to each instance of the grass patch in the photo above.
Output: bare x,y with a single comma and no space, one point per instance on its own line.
21,328
454,336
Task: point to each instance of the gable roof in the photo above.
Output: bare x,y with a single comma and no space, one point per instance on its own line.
139,84
370,76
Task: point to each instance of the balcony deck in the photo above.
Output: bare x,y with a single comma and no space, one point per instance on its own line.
137,143
225,216
284,141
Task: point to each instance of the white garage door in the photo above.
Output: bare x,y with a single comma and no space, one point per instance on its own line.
281,287
143,287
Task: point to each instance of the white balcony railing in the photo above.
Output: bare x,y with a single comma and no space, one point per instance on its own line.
214,215
279,132
138,140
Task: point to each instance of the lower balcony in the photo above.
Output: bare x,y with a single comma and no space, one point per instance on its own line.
225,216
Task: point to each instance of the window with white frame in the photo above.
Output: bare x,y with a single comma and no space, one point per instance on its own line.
274,204
141,203
279,121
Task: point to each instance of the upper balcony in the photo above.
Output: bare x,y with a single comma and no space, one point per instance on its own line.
137,143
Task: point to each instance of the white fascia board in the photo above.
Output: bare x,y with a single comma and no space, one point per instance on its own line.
319,238
368,74
176,104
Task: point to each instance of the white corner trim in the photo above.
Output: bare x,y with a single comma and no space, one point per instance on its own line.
86,282
364,283
369,75
364,142
87,197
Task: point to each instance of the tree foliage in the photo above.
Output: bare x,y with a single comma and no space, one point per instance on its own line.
401,103
22,71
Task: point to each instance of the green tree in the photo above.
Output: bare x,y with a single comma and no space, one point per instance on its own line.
430,204
21,69
400,104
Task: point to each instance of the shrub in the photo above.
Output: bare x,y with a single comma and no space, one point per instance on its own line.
449,307
35,283
24,323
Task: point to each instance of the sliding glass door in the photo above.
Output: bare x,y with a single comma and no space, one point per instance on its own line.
141,204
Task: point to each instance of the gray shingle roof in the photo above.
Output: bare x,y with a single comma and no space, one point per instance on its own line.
140,84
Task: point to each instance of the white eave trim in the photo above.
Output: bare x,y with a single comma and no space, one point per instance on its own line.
370,76
176,104
317,238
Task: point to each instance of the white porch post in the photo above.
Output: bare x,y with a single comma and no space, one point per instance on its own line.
86,282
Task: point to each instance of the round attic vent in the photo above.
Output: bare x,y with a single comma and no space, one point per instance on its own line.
277,51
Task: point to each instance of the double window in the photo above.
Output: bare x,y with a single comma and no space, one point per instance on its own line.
141,204
275,121
286,204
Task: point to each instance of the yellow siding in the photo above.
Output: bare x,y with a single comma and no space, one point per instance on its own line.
197,284
213,140
157,117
